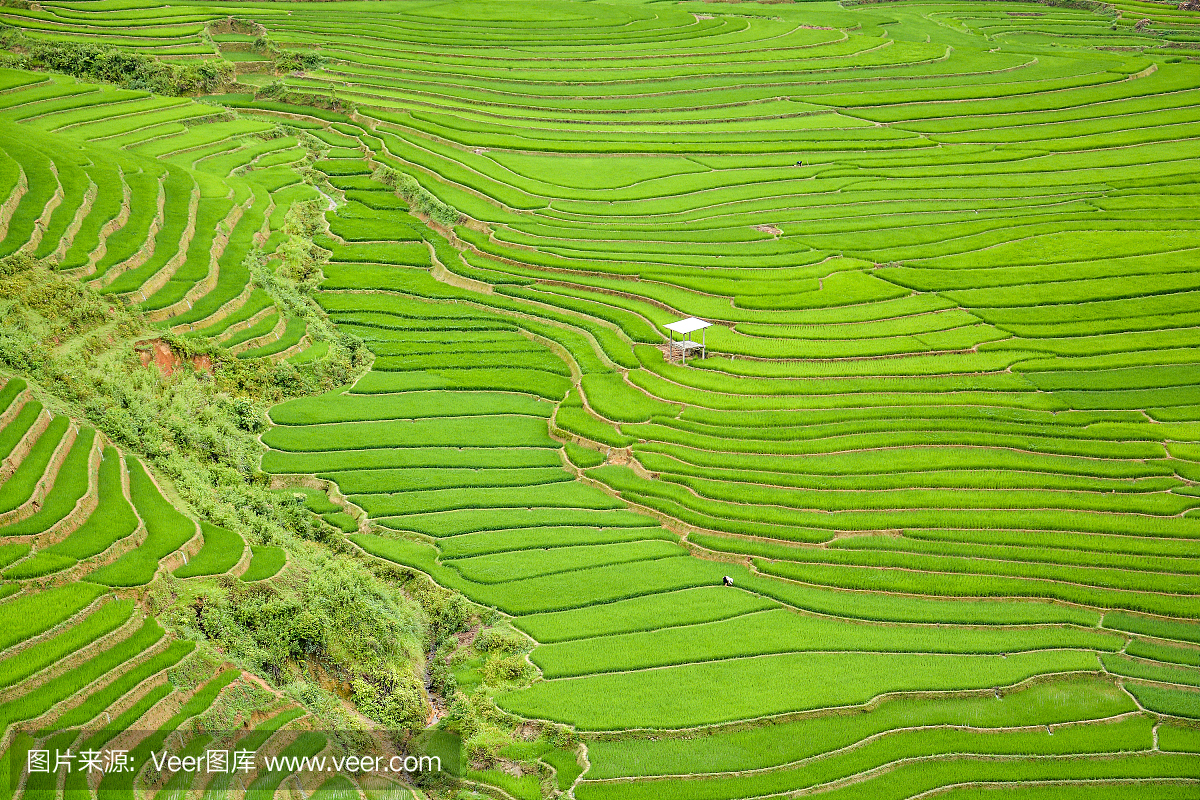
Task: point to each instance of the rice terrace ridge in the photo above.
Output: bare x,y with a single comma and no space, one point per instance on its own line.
600,399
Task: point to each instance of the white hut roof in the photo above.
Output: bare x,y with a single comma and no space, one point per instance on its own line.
688,325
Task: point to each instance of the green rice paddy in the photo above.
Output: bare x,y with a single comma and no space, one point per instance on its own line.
945,442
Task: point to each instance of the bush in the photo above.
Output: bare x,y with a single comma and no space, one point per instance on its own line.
441,676
397,701
245,415
94,62
497,641
272,91
448,611
417,196
483,747
198,430
510,669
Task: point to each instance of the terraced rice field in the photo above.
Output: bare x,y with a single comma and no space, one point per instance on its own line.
946,442
86,527
153,200
78,508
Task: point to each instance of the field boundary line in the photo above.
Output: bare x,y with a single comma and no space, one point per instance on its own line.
146,251
45,482
201,288
84,507
162,277
109,228
76,657
57,629
81,213
43,221
21,450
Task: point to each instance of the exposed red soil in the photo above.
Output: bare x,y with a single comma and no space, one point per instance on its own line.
160,354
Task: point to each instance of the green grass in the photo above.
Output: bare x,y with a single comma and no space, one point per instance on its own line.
945,437
559,494
492,431
143,200
675,697
453,523
264,563
12,387
42,186
96,702
407,480
544,537
313,499
781,631
1154,651
566,767
113,520
222,549
573,418
1126,735
688,607
107,618
12,552
19,488
166,531
344,407
310,354
1179,737
178,189
517,565
381,458
37,701
292,333
13,432
1149,626
200,701
583,457
1163,700
32,614
306,744
70,485
1054,702
1150,671
342,520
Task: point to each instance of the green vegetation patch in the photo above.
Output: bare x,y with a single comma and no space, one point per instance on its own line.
265,562
222,549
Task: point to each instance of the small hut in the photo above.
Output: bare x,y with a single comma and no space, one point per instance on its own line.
685,345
